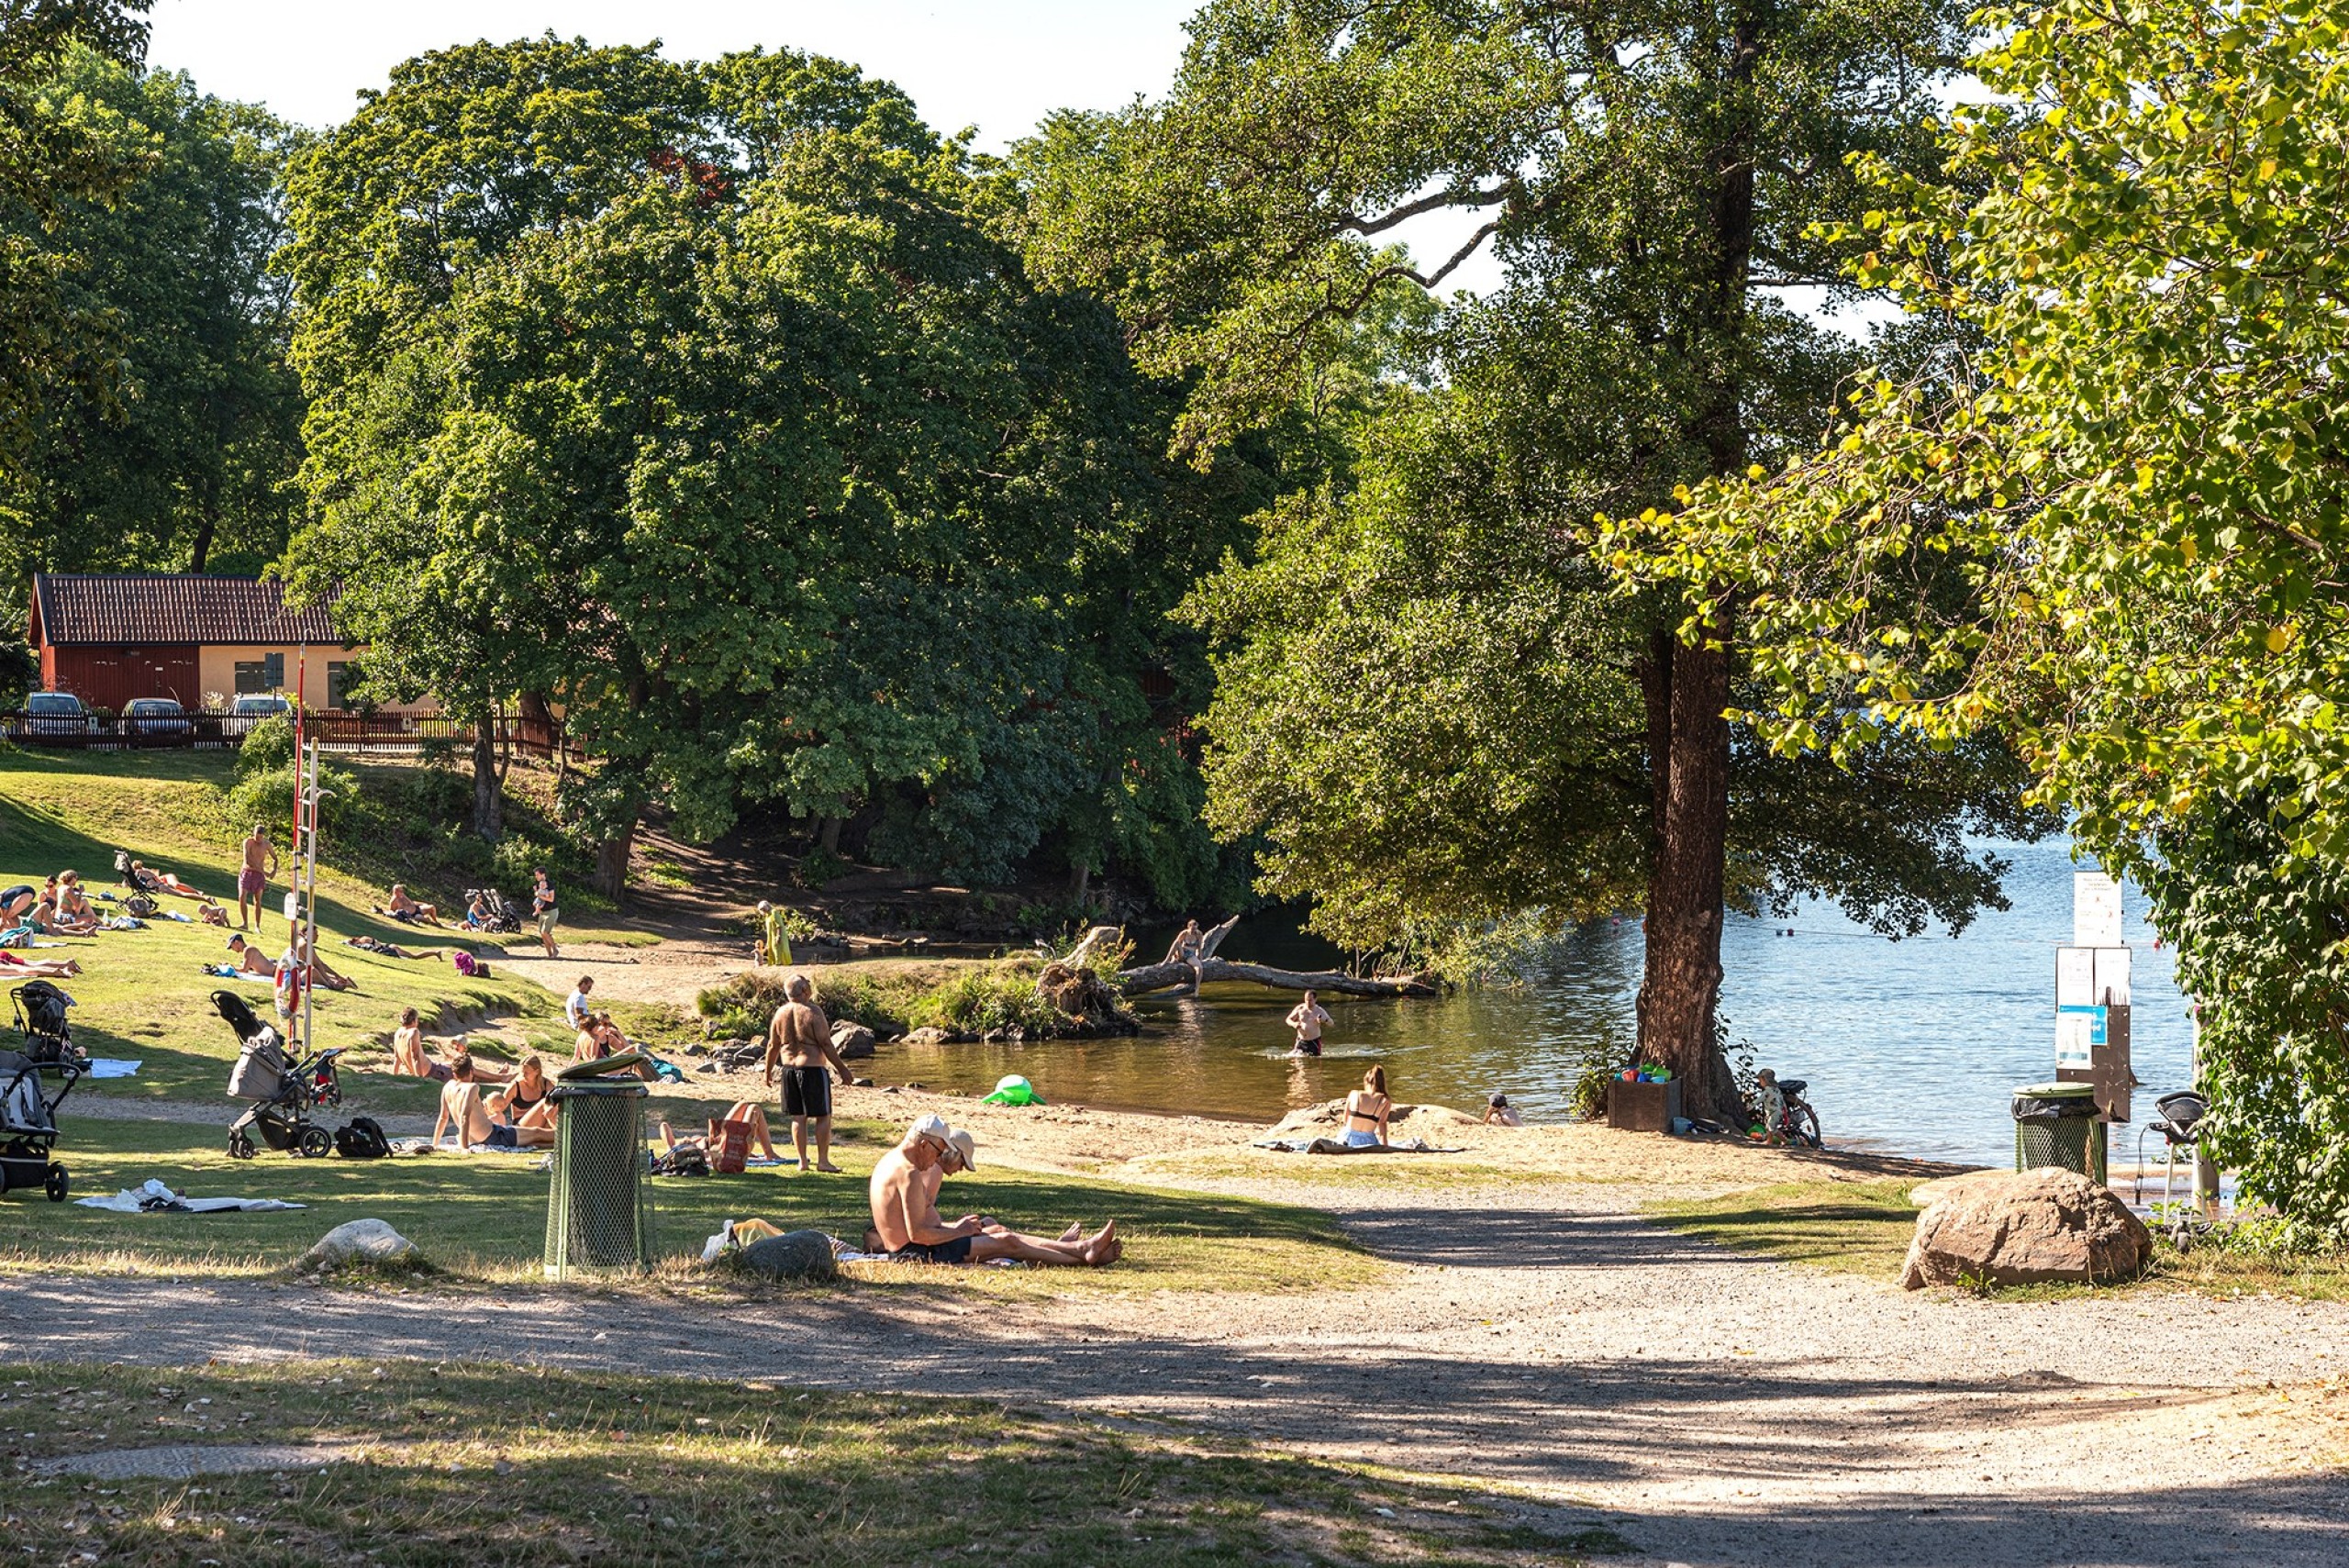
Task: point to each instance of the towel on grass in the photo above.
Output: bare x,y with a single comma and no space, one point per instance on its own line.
1338,1146
111,1067
152,1196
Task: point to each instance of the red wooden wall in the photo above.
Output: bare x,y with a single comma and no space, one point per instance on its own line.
109,678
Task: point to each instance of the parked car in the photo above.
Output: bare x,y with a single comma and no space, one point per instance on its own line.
249,708
56,715
155,716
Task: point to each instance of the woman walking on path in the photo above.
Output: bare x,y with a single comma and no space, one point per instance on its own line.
1367,1111
543,910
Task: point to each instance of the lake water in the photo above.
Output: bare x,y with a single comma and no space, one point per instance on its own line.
1909,1047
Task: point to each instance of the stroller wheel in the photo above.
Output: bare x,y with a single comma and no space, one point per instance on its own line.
316,1143
57,1185
241,1145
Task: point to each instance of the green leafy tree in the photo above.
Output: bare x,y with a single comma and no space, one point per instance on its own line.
2132,474
172,447
45,159
703,400
1438,705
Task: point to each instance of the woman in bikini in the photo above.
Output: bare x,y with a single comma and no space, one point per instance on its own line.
528,1106
1367,1111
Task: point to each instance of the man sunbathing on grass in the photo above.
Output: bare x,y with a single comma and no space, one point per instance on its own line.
905,1214
961,1154
462,1106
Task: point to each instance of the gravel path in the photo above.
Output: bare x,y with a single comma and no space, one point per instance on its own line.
1722,1411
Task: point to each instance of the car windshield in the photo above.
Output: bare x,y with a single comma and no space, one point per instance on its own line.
154,707
52,703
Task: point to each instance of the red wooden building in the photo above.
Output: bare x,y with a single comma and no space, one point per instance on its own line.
110,637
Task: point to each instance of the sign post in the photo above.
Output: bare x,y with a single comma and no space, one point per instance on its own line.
2092,997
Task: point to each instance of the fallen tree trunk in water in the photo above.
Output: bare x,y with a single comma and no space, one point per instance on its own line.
1163,976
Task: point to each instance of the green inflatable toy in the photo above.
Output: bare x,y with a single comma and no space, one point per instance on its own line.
1014,1091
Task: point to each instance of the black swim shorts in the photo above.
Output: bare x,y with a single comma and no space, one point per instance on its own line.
807,1090
958,1250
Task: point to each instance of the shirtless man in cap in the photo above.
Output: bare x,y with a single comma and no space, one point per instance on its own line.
905,1213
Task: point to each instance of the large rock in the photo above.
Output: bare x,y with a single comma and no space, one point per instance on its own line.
930,1035
361,1240
794,1254
851,1043
2023,1228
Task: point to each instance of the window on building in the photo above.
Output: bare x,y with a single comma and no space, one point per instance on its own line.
266,673
340,678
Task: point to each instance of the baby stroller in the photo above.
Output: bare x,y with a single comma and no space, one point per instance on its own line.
496,915
282,1089
27,1109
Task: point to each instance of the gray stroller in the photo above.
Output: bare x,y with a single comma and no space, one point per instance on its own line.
35,1078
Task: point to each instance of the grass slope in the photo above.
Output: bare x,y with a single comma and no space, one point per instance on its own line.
484,1215
469,1465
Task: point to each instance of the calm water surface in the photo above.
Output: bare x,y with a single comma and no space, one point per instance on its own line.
1908,1046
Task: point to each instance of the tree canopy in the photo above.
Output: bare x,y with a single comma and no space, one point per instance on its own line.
169,436
1437,702
2130,466
703,400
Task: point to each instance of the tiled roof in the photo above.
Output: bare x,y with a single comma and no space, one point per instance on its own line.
165,607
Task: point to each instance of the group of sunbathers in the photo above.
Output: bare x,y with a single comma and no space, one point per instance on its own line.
61,907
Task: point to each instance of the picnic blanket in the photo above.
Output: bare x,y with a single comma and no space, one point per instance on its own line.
111,1067
152,1196
1336,1146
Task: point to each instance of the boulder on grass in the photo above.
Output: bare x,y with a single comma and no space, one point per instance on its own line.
362,1241
2028,1227
851,1043
794,1254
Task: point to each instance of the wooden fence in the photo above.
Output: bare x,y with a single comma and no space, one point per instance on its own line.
338,729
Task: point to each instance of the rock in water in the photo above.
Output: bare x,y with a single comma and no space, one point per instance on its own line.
852,1042
361,1240
930,1035
2033,1225
794,1254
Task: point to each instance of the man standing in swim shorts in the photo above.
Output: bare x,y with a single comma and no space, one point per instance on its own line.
252,879
800,1039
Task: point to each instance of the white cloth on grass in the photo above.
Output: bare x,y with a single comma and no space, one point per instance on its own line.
153,1196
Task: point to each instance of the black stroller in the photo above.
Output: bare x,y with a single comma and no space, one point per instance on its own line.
496,915
282,1089
27,1109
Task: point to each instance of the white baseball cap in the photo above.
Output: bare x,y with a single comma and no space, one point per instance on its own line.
931,1127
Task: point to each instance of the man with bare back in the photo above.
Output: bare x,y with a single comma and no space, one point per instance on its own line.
905,1221
253,881
800,1039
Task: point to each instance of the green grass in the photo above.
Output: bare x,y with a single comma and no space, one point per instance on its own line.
469,1465
61,808
1860,1228
1865,1228
485,1215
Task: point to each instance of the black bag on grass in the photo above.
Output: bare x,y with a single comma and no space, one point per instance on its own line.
361,1138
690,1161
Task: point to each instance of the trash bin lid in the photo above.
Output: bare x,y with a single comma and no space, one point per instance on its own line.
2056,1090
597,1088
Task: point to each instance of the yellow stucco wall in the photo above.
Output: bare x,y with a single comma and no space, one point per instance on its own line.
216,672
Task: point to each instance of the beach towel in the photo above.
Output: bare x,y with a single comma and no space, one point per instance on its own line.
1334,1146
111,1067
152,1196
121,923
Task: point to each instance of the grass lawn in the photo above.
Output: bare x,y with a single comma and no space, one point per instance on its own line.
471,1464
485,1215
1863,1228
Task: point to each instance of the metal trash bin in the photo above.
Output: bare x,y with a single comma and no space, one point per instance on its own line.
599,1206
2056,1124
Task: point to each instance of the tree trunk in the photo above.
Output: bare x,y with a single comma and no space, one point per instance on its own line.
1681,990
489,802
828,835
1080,878
611,863
1164,976
1682,985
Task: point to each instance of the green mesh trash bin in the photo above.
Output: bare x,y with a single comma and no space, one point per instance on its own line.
599,1206
2055,1125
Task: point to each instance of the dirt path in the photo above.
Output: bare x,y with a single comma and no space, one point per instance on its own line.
1721,1411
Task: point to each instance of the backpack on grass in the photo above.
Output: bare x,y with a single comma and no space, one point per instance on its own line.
361,1138
690,1161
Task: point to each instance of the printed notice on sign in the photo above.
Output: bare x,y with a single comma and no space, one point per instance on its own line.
2096,910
